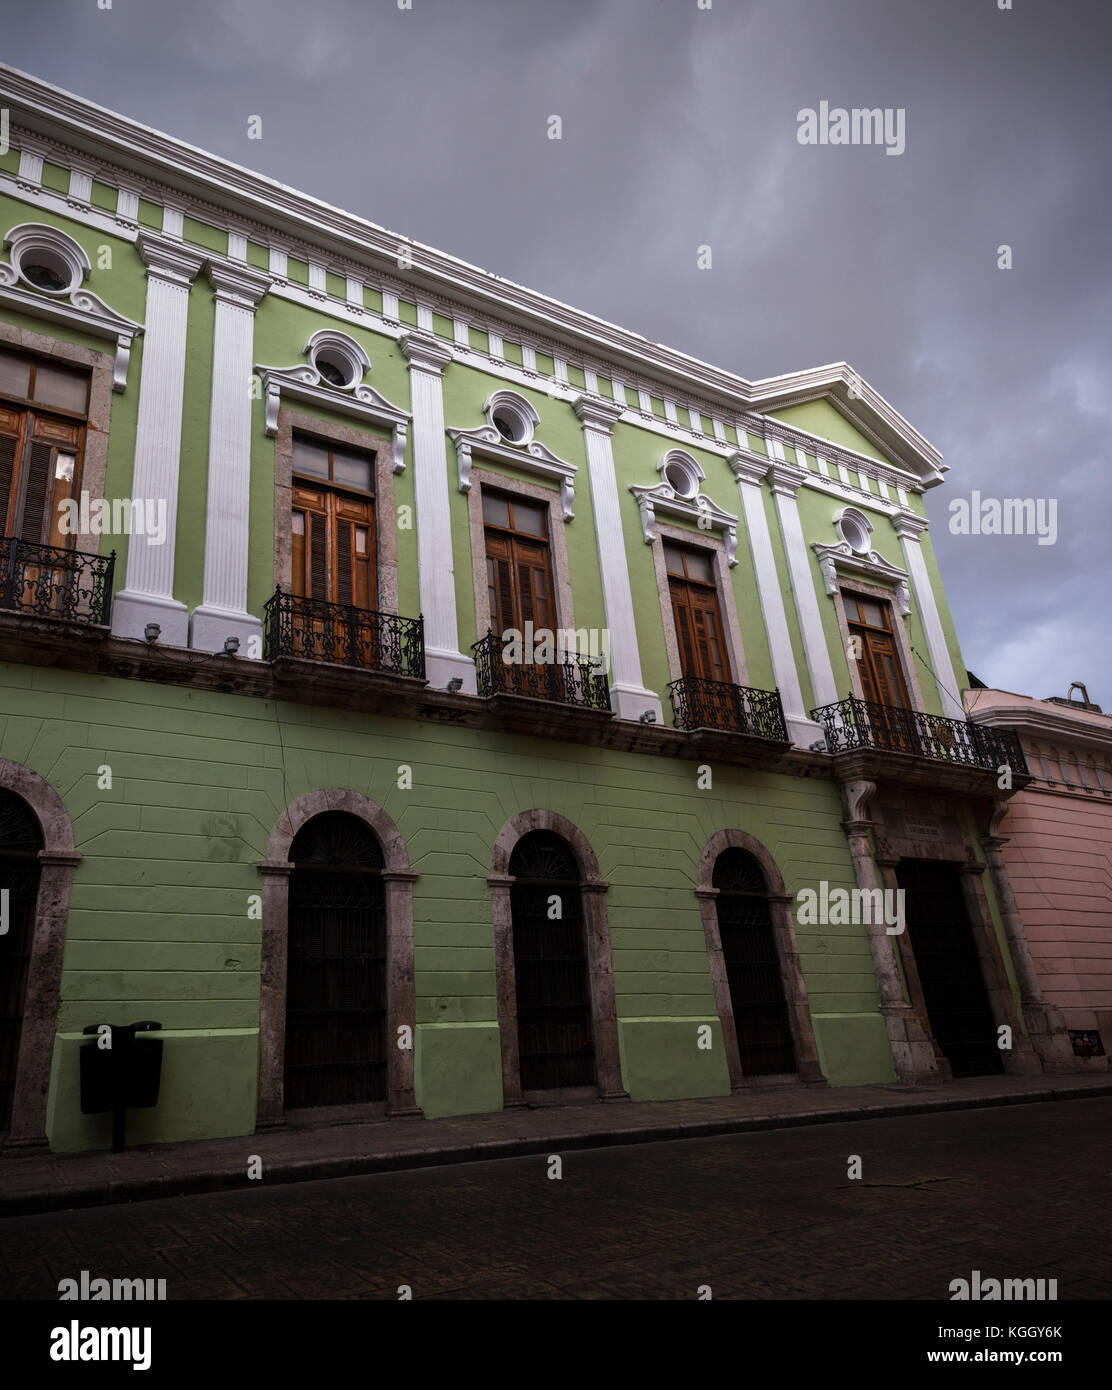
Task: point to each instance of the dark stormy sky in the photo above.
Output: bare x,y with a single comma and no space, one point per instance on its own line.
679,130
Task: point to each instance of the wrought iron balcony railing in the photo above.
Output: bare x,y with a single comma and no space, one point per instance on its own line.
702,704
571,680
312,629
853,723
48,581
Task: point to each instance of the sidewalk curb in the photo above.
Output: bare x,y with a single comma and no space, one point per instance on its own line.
118,1191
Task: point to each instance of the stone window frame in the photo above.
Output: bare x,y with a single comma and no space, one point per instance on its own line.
398,880
727,602
604,1014
808,1068
352,437
899,632
557,543
101,366
57,860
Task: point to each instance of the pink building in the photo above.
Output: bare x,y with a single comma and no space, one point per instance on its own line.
1056,840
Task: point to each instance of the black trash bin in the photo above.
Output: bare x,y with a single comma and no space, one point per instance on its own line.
122,1077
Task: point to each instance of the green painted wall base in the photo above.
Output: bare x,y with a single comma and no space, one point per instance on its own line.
662,1059
459,1069
208,1091
853,1049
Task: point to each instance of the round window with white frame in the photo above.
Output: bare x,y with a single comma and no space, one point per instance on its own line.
682,474
46,258
339,359
512,416
855,529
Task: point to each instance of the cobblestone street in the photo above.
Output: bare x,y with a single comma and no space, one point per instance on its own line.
1019,1191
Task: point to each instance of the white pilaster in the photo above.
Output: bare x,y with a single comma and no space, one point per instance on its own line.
628,694
785,480
909,528
223,613
148,595
749,472
436,574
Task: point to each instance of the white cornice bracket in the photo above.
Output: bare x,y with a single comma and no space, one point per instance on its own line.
304,383
533,457
700,509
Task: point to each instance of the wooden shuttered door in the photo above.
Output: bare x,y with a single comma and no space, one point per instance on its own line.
332,555
699,631
332,548
39,469
519,580
695,611
878,663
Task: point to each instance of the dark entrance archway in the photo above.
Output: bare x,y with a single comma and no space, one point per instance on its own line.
556,1046
21,840
757,996
949,966
336,985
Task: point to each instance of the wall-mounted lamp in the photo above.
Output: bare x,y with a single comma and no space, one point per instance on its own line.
455,684
231,646
151,631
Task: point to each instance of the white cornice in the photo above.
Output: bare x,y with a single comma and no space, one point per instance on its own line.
426,354
79,309
304,383
841,559
532,457
704,513
245,197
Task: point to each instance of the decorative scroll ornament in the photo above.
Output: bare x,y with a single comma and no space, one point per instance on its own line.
835,560
305,383
77,308
532,457
699,509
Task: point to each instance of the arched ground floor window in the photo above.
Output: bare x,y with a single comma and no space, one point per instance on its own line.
758,983
337,961
37,860
556,1010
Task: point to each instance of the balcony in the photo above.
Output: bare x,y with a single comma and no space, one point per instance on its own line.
337,634
734,709
46,581
573,681
853,724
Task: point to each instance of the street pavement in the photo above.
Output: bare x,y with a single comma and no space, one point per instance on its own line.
1016,1191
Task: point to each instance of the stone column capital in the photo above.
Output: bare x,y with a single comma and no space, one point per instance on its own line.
909,527
785,478
596,413
425,353
237,284
168,259
748,468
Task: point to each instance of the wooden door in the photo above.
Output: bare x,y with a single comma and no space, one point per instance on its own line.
333,562
519,588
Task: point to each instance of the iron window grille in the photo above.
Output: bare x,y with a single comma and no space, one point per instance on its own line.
313,629
853,723
705,704
47,581
574,680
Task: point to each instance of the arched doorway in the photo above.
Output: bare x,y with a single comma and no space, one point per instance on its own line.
556,1044
752,964
21,840
336,984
